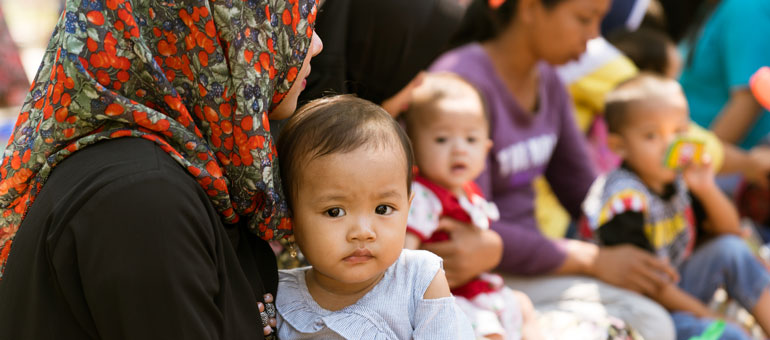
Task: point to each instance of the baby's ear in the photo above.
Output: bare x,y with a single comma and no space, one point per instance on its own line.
616,144
411,197
490,143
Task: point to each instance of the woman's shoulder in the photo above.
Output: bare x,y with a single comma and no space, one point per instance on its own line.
112,162
470,50
131,178
469,61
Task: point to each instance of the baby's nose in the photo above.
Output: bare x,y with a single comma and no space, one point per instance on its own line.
460,147
362,231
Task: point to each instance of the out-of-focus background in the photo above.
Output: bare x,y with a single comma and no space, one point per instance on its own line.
28,25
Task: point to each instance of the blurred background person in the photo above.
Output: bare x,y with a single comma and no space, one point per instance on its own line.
13,80
725,45
377,49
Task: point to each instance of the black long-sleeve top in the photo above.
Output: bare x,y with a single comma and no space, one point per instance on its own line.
122,243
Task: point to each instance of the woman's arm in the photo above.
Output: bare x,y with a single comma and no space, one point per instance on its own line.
737,116
471,252
754,165
525,251
625,266
146,257
570,171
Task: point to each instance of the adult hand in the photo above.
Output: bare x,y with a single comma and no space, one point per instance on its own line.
632,268
469,252
399,102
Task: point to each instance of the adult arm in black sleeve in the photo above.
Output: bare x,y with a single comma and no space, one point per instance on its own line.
146,252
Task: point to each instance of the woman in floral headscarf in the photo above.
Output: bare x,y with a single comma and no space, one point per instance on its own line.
159,235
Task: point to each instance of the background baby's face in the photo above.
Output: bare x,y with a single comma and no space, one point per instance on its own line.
647,134
451,143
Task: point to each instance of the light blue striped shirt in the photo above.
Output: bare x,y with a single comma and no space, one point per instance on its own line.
393,309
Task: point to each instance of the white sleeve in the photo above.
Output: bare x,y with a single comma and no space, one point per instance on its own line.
441,319
438,318
424,212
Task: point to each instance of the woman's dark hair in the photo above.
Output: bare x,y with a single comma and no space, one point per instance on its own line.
481,22
646,47
684,16
373,48
337,124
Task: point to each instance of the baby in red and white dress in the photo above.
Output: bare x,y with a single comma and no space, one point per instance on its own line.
450,136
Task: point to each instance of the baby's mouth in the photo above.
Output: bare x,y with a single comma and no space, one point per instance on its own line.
359,256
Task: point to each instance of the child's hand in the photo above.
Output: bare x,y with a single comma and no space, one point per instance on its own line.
699,177
722,216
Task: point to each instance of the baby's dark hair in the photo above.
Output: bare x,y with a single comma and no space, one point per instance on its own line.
643,89
336,124
646,47
435,88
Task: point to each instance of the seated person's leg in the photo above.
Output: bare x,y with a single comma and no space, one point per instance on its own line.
725,261
644,315
688,326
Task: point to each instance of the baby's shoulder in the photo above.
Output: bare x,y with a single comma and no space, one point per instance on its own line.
617,192
291,282
414,271
418,260
622,179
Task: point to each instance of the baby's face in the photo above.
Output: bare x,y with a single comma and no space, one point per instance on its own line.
350,212
451,147
648,132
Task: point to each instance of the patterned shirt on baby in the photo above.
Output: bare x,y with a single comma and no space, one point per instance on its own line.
621,209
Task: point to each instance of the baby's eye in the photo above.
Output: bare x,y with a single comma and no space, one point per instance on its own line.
472,140
650,135
335,212
383,209
440,140
584,20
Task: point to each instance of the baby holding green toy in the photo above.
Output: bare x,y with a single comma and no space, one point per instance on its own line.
662,192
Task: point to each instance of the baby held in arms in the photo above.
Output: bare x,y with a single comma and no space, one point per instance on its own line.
449,130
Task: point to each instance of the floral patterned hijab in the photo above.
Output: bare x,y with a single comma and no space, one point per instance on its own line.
197,77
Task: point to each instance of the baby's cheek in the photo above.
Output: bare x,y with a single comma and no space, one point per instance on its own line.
391,235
